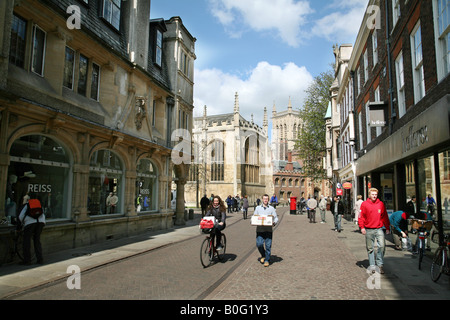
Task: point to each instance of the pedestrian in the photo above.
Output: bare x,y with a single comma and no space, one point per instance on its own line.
32,229
229,201
312,205
323,208
264,234
337,209
411,207
234,204
357,208
245,207
217,210
399,227
274,201
374,222
204,203
430,206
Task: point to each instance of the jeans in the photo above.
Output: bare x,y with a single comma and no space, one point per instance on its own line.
312,215
322,215
264,238
337,221
372,236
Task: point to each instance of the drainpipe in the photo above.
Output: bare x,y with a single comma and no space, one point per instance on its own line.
388,48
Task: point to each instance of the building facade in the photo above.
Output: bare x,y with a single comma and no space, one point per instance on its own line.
399,68
90,94
231,156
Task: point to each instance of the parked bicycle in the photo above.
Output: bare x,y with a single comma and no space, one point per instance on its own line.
441,264
14,246
208,249
423,228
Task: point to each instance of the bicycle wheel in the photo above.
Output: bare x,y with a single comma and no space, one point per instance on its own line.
438,263
205,253
221,253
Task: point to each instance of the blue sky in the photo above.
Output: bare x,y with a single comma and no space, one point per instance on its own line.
266,50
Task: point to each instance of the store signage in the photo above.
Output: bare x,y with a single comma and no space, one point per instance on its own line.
36,187
376,114
339,192
414,138
347,185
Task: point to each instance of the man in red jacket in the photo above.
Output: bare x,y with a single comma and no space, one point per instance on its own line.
372,220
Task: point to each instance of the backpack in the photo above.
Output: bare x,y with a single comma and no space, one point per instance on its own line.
34,208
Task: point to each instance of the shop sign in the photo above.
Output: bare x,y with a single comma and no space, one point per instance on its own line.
347,185
339,192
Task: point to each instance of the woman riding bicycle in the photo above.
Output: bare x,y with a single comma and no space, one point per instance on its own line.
217,209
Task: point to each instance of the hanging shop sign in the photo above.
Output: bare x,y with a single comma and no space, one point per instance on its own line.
347,185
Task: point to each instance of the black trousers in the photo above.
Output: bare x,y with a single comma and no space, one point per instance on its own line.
32,231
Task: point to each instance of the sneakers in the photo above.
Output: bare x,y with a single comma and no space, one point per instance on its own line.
266,264
262,260
219,247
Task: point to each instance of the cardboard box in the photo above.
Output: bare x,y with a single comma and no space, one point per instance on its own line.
262,221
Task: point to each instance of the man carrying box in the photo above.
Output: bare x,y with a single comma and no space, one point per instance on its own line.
263,232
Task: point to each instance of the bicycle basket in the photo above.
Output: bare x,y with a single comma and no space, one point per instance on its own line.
206,231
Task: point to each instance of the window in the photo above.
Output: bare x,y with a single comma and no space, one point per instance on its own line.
361,144
401,100
105,181
417,63
366,66
69,66
442,31
82,75
375,47
358,80
38,51
377,99
217,163
17,46
111,12
184,66
95,81
251,157
147,186
395,12
368,128
40,167
158,57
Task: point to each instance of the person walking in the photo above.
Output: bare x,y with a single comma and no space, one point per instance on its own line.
274,201
229,202
312,205
245,207
204,203
32,229
372,221
323,208
337,209
264,234
217,210
357,208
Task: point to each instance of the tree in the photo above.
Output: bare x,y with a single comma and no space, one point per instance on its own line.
310,143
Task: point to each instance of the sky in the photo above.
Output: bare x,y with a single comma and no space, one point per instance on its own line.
268,51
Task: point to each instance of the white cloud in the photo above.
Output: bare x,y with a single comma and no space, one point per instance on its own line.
343,24
284,16
265,85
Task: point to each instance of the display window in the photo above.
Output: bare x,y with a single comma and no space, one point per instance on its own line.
105,183
39,168
146,186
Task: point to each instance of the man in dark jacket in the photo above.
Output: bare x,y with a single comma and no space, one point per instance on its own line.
337,209
204,203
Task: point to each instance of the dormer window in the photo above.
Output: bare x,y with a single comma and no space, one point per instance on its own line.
111,12
159,43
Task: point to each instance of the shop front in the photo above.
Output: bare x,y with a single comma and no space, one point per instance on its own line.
414,161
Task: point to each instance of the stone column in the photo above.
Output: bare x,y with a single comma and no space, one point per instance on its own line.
179,211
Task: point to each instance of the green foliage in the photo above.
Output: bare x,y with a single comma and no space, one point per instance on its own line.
310,144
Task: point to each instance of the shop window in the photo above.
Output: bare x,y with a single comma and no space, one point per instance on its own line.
39,168
105,179
146,186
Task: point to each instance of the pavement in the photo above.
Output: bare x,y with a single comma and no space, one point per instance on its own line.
402,280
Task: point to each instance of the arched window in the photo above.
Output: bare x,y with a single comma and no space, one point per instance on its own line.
251,157
217,161
146,186
105,177
40,168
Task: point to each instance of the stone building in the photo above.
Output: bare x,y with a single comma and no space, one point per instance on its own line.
288,178
231,156
89,97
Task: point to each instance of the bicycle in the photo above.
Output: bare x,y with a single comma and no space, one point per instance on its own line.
15,247
423,228
208,249
441,263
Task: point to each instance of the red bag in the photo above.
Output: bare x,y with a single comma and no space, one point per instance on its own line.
206,224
